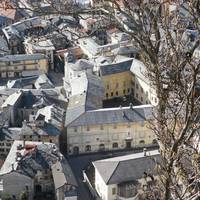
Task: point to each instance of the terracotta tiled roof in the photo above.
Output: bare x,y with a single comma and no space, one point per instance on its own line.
7,10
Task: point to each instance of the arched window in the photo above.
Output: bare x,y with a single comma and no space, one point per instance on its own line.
87,148
142,142
154,141
76,150
101,147
115,145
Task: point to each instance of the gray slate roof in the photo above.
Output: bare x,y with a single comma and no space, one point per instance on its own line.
81,65
14,183
38,81
22,57
114,115
139,69
22,82
43,159
116,67
126,168
48,92
89,99
123,50
9,134
62,174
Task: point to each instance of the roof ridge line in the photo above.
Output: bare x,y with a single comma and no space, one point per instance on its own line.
113,171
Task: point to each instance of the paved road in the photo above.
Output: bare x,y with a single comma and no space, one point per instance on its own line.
79,163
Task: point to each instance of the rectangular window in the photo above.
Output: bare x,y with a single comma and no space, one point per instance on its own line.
114,126
101,127
141,90
88,128
16,61
137,86
113,191
75,129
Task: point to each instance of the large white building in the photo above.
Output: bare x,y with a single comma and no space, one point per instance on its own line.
125,177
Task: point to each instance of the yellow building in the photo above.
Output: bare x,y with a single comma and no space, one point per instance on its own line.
23,65
39,131
128,77
117,78
43,46
110,129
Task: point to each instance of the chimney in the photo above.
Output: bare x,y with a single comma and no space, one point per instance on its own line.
145,151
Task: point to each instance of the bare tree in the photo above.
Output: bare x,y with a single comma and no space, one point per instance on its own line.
168,51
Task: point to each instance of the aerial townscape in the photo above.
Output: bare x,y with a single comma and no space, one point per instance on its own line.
99,100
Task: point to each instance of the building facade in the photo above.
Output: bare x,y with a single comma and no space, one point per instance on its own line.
22,65
126,177
117,79
43,47
110,129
